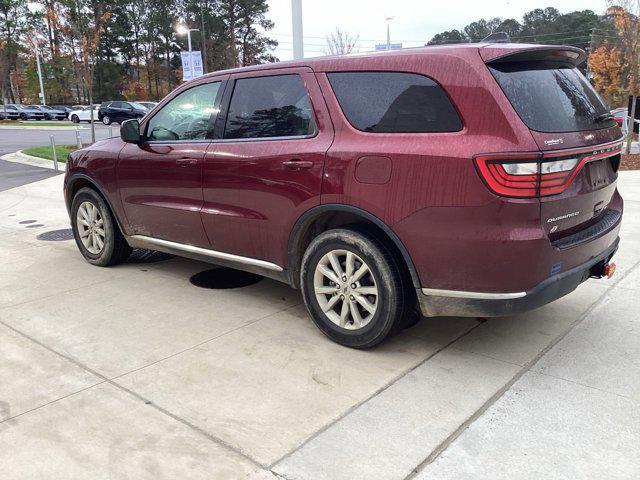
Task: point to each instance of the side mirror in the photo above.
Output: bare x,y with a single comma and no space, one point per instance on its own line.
130,131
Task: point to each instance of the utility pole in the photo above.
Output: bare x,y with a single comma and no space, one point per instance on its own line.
591,42
296,20
203,36
37,51
632,115
388,20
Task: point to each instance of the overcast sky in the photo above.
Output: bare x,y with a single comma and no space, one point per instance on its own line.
415,20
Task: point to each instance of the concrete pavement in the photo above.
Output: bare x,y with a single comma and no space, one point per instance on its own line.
132,372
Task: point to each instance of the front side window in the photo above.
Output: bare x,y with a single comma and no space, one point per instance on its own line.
187,116
274,106
394,102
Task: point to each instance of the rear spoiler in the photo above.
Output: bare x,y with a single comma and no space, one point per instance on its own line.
509,53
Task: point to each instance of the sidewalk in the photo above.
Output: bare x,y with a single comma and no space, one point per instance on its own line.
132,372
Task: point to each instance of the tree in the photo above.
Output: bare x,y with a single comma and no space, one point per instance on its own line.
13,24
625,15
450,36
340,42
607,67
86,20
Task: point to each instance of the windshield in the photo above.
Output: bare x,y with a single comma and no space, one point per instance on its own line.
550,98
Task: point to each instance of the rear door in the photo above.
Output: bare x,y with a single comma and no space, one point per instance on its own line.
265,167
571,125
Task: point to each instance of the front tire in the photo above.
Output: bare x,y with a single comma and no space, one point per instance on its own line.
106,120
75,119
95,230
352,288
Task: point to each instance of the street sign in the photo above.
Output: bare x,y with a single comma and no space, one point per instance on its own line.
187,63
392,46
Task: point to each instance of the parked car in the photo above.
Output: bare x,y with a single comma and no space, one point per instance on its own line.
9,112
83,114
26,112
119,111
66,108
148,105
50,113
473,180
619,114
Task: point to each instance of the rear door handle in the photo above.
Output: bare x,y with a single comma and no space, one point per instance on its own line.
185,162
298,164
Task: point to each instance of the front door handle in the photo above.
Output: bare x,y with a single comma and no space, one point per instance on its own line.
185,162
298,164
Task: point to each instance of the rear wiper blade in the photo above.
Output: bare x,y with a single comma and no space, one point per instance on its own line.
604,117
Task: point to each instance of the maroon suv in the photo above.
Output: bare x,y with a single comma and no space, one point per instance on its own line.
473,180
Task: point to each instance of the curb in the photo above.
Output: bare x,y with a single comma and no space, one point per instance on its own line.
19,157
37,127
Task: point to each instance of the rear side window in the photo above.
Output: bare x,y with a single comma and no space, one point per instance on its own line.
394,102
551,98
274,106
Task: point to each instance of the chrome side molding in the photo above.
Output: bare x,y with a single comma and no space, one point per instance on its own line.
166,245
472,295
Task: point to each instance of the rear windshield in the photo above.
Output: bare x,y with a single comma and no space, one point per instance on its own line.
550,98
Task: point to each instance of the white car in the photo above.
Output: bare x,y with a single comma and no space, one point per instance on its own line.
84,114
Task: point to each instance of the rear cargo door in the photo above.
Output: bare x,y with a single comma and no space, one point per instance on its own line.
571,125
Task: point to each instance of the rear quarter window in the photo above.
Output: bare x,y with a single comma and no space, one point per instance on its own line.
394,102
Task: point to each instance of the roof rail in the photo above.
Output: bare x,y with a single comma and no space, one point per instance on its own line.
497,37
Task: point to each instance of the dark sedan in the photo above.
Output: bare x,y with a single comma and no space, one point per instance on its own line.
119,111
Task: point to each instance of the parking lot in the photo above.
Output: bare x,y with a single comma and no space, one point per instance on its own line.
133,372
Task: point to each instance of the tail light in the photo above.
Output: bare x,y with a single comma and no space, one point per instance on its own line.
535,174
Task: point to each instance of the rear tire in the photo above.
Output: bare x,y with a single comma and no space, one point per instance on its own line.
354,311
96,231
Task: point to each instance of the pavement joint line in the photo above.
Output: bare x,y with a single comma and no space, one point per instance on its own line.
357,405
51,401
436,452
57,294
136,395
585,385
192,347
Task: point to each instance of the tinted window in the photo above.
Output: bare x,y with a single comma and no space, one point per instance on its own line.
394,102
549,98
275,106
186,117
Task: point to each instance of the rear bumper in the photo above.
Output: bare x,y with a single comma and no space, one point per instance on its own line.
434,302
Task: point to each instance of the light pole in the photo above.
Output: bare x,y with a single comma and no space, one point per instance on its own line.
296,22
36,50
182,30
388,20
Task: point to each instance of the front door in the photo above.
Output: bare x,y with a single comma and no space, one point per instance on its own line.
265,167
160,179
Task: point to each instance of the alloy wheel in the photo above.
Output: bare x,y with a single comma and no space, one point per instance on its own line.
345,289
90,227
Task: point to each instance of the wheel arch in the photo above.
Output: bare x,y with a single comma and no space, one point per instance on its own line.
80,180
323,217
